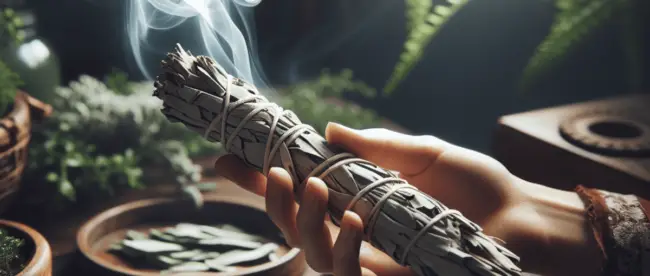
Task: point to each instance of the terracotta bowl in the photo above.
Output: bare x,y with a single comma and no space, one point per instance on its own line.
40,263
96,236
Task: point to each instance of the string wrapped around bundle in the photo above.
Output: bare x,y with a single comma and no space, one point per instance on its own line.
405,223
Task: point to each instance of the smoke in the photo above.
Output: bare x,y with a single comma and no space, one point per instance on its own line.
221,29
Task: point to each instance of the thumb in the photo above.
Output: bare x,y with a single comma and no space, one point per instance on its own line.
410,155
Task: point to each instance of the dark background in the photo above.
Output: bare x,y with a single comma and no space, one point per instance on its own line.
466,80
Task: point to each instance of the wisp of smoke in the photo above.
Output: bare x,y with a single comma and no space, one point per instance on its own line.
214,32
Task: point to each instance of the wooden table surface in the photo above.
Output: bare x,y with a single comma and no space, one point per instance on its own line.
61,232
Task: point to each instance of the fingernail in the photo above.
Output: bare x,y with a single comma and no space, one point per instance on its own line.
339,126
276,170
347,228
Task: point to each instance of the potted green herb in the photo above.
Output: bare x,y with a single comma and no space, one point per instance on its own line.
23,251
105,138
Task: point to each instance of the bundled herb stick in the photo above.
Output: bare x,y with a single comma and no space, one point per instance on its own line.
410,226
195,248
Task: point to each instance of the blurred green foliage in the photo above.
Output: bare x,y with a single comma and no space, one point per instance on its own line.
319,101
118,81
10,27
9,81
11,257
100,141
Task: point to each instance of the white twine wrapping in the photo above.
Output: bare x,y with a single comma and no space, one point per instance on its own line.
410,226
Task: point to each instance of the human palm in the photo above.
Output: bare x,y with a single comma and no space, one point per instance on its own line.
473,183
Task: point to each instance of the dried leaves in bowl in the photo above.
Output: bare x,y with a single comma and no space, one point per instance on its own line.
195,248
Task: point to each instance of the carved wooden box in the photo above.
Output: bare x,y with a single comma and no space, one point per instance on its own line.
603,144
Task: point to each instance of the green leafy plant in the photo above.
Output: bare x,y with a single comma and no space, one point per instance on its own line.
575,21
318,101
118,81
423,21
10,27
99,142
11,257
9,82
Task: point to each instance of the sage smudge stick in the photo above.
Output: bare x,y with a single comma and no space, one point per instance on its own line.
407,224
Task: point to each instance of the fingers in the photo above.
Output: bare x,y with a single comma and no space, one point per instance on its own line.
315,238
346,248
375,260
368,272
235,170
280,204
277,188
410,155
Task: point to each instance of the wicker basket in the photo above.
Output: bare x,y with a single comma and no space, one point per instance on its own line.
15,133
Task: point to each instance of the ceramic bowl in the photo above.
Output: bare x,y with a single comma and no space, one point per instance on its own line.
100,232
40,260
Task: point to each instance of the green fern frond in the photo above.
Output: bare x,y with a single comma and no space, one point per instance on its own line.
422,25
416,12
569,5
571,26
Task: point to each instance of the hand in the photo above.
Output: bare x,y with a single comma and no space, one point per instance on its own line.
522,214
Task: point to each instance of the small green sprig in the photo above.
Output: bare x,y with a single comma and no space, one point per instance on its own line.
74,166
118,81
10,27
9,82
11,258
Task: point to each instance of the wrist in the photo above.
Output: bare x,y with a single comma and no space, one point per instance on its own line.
568,239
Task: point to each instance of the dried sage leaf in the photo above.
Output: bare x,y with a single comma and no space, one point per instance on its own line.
162,261
135,235
151,246
227,242
159,235
226,233
186,254
205,256
219,267
188,232
243,256
188,267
